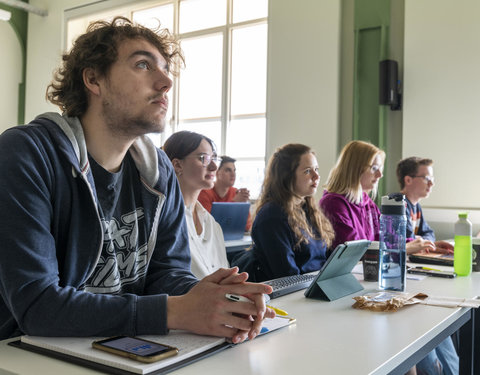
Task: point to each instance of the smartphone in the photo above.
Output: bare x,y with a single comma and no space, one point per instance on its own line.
435,273
135,348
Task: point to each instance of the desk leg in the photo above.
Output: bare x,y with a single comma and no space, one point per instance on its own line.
476,341
466,345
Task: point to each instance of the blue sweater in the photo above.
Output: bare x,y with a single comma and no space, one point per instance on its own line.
52,237
416,224
273,246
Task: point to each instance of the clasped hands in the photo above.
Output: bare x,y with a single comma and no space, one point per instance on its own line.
242,195
205,309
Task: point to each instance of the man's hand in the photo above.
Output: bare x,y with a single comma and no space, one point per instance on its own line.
419,244
443,247
242,195
205,309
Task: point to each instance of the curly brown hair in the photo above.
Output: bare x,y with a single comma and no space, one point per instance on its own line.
278,187
98,49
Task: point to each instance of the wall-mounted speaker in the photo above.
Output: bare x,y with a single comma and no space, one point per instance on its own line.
389,90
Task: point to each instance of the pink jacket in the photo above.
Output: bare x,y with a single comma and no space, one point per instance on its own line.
351,221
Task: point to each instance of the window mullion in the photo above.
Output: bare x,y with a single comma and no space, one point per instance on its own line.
226,86
176,82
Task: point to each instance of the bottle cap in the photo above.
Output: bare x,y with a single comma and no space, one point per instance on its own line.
463,215
393,204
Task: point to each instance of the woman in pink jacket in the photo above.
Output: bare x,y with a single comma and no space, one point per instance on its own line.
347,198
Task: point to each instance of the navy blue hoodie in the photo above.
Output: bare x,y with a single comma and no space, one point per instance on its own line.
51,237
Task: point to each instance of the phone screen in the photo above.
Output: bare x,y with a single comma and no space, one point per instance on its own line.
135,346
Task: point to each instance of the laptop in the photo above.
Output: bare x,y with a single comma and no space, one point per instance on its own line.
335,279
232,217
432,258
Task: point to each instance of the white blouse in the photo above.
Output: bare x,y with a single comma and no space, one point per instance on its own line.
207,249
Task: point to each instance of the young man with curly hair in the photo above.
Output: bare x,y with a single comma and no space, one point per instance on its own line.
94,241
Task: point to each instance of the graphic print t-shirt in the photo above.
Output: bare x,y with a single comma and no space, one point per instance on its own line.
415,217
123,262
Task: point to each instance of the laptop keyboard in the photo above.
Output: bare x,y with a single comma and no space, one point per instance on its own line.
289,284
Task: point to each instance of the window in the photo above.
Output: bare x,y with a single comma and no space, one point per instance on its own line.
221,93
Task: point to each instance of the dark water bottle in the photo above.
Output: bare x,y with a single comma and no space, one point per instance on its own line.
393,226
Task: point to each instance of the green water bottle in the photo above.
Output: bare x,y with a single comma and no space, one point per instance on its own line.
462,254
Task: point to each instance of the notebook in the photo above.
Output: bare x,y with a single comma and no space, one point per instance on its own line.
232,217
335,279
191,347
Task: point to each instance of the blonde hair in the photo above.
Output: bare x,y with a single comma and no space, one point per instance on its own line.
278,187
355,158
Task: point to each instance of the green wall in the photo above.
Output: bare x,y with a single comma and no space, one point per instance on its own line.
371,28
19,23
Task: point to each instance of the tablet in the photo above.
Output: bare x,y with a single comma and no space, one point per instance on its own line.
335,279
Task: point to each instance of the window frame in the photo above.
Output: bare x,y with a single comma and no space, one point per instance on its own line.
225,114
90,12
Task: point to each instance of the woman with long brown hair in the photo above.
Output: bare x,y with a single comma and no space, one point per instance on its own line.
290,233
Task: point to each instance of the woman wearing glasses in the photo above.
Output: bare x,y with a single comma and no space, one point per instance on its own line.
195,161
290,233
346,200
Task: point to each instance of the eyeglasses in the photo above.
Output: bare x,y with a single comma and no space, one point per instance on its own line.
206,159
427,179
374,168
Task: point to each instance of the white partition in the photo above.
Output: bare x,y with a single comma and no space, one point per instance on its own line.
303,77
442,221
441,117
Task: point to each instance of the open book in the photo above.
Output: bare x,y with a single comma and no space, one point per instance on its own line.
191,348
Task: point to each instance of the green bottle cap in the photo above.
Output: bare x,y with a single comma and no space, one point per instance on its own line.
463,215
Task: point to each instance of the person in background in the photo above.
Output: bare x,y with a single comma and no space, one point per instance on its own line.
290,233
415,176
194,160
106,249
223,190
347,198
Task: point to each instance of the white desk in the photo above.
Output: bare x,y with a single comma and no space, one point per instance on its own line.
234,247
241,244
328,338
